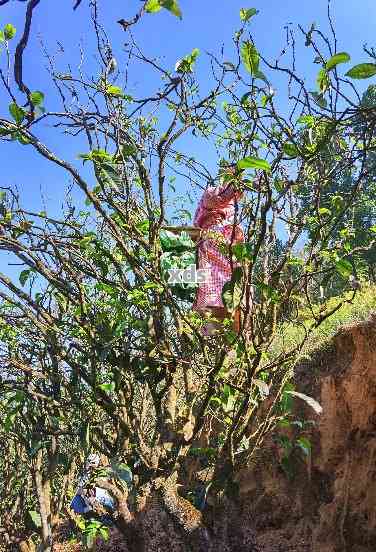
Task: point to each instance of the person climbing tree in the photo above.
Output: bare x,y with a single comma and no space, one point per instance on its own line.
217,217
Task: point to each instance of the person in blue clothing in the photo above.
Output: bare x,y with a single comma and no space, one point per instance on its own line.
85,493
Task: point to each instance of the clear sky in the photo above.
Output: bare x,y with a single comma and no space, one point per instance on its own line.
206,24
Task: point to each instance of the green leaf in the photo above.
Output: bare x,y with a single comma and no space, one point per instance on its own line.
104,533
242,251
344,268
63,460
307,120
143,226
291,150
269,292
362,71
97,156
253,163
153,6
9,31
186,64
176,243
309,400
84,242
115,91
123,471
128,150
304,444
18,113
341,57
89,539
246,14
2,36
319,99
24,276
108,387
250,57
35,518
22,138
325,211
110,175
37,98
322,80
286,401
172,6
232,291
260,75
244,98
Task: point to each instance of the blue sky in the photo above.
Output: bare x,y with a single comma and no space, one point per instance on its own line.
206,24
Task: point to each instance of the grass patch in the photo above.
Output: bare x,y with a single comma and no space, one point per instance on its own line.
291,334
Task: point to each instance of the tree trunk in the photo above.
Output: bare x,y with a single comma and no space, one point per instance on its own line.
126,522
44,508
27,546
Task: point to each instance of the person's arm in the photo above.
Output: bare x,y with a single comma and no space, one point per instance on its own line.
218,197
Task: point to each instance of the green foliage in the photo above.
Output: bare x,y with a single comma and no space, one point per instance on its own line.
122,471
323,80
253,163
305,445
24,276
92,529
250,58
97,156
36,519
17,112
247,13
290,150
288,334
9,31
319,99
233,290
154,6
186,65
226,400
341,57
178,253
242,251
114,91
362,71
37,98
344,268
100,352
178,243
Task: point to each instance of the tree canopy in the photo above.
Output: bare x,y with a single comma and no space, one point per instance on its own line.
98,352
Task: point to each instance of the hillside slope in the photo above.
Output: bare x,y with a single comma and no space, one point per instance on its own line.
329,503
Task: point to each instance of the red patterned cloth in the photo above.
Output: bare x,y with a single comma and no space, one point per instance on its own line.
216,213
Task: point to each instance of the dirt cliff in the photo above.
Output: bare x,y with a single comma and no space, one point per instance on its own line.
329,503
